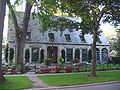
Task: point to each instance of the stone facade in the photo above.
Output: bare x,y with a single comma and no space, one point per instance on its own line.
41,46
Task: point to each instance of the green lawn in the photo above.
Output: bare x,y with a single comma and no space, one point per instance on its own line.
82,78
16,83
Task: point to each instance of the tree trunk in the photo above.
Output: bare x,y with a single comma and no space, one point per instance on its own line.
93,71
20,33
2,16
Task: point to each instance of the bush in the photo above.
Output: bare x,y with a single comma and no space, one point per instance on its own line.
75,60
61,60
47,61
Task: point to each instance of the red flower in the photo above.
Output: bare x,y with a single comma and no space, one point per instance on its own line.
45,70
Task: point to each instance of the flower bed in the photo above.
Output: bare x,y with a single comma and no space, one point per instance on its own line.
58,70
9,72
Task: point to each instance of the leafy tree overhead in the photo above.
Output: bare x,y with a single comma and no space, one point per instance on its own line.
93,13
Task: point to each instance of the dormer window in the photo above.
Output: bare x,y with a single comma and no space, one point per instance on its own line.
28,36
68,39
51,37
82,38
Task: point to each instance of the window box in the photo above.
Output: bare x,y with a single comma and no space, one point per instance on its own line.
52,40
83,41
69,40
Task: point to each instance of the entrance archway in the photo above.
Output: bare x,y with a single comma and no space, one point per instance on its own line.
52,53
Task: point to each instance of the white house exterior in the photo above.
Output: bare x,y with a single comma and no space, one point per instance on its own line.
52,44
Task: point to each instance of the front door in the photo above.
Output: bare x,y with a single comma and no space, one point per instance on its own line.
52,53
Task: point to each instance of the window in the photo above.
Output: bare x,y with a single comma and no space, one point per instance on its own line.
42,56
97,54
82,38
28,36
84,54
69,54
104,55
67,36
63,54
77,53
51,36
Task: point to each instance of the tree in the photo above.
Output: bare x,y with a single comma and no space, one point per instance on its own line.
117,44
2,16
20,32
93,12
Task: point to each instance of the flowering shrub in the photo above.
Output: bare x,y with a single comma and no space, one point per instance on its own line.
45,70
56,69
68,69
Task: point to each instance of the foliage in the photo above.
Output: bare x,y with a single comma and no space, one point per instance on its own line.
47,61
78,79
75,60
117,44
16,83
6,53
92,13
27,55
61,60
11,55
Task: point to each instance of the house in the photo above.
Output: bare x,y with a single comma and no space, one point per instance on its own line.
52,44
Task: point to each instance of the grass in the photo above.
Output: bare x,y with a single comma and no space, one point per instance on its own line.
79,79
16,83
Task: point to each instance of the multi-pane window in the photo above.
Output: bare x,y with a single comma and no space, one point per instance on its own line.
28,35
82,37
97,54
69,54
84,54
104,55
77,53
51,36
67,36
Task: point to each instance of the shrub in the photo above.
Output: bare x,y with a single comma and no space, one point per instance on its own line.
47,61
61,60
75,60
